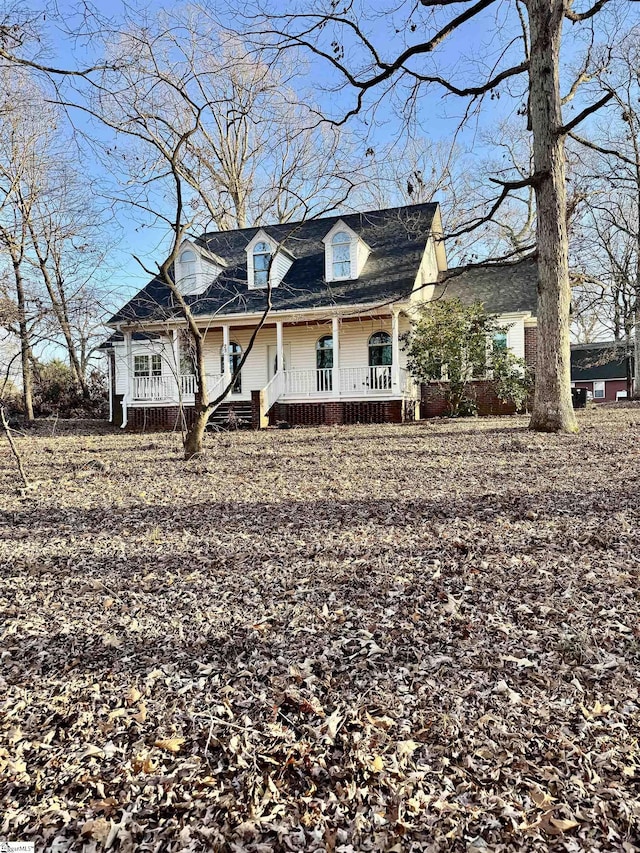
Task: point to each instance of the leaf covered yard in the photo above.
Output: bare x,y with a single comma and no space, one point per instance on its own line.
420,638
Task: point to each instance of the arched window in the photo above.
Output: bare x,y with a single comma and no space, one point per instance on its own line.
234,355
324,363
261,258
341,249
380,349
188,263
380,358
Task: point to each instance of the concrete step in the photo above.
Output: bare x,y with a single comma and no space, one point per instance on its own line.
231,415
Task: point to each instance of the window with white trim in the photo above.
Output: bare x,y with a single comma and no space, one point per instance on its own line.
598,390
341,255
261,261
187,263
144,365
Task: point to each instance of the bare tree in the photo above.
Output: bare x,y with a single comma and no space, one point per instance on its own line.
341,38
251,156
49,226
608,252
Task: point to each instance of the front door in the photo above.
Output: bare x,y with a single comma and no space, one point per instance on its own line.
273,359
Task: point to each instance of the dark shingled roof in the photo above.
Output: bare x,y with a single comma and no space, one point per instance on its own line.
397,238
118,338
503,289
599,360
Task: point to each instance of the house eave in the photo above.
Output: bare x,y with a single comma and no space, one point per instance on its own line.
290,315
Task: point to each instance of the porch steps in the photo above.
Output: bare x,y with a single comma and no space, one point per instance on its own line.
232,415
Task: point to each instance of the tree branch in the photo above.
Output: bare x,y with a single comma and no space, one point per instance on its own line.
575,17
600,150
587,111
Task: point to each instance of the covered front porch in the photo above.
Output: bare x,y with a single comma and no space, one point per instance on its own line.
296,360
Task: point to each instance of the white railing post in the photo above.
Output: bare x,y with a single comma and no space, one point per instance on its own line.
395,353
226,373
280,365
175,346
128,397
335,378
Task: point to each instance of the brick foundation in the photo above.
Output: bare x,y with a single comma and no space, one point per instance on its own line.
341,412
158,419
433,403
167,418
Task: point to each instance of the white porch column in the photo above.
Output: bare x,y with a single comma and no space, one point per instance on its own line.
175,346
225,353
128,396
335,333
279,346
395,353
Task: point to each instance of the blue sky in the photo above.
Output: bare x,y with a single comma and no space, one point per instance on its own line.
436,117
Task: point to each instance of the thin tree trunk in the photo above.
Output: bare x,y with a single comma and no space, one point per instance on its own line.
194,439
25,345
636,350
14,449
552,408
61,313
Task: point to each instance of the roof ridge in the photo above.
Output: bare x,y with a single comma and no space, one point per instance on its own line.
421,205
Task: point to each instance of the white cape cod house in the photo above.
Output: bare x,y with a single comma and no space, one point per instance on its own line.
343,291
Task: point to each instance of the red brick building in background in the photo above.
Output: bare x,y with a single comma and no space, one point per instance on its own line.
604,369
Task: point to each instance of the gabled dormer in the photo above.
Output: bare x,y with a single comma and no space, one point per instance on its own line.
264,254
345,253
196,269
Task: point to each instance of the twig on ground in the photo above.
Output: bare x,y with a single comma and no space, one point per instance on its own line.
14,449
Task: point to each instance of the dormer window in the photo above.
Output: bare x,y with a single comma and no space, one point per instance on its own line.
341,251
267,261
188,263
345,253
195,269
261,260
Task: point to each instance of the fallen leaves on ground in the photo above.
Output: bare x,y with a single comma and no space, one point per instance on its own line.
423,637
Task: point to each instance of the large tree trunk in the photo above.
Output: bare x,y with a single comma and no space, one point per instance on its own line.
552,408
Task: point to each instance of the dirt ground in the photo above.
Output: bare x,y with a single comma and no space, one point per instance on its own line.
407,638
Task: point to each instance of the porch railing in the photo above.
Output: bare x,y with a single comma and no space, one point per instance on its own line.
164,387
408,385
365,380
153,387
272,392
307,383
188,385
216,384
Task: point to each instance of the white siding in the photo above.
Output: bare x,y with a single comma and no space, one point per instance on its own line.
515,333
362,253
279,268
427,274
162,347
254,372
120,353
